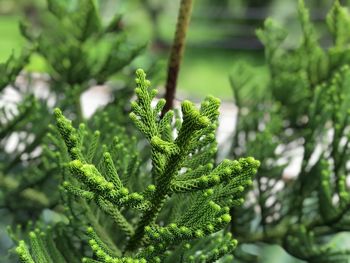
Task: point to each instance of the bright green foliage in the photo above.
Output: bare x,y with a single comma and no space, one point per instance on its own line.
303,112
125,222
23,253
43,247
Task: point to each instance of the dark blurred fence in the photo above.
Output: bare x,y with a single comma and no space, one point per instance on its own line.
237,31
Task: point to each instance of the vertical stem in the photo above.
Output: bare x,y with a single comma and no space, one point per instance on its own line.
177,51
79,110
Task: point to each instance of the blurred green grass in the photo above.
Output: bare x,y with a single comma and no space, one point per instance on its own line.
10,40
206,71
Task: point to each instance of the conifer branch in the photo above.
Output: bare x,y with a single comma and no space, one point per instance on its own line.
168,157
95,170
308,88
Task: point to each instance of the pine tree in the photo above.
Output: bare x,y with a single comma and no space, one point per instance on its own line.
70,54
79,50
133,213
29,170
304,107
19,135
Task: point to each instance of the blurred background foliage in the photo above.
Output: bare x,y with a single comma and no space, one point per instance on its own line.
222,32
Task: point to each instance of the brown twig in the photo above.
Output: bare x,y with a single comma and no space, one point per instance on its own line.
177,51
